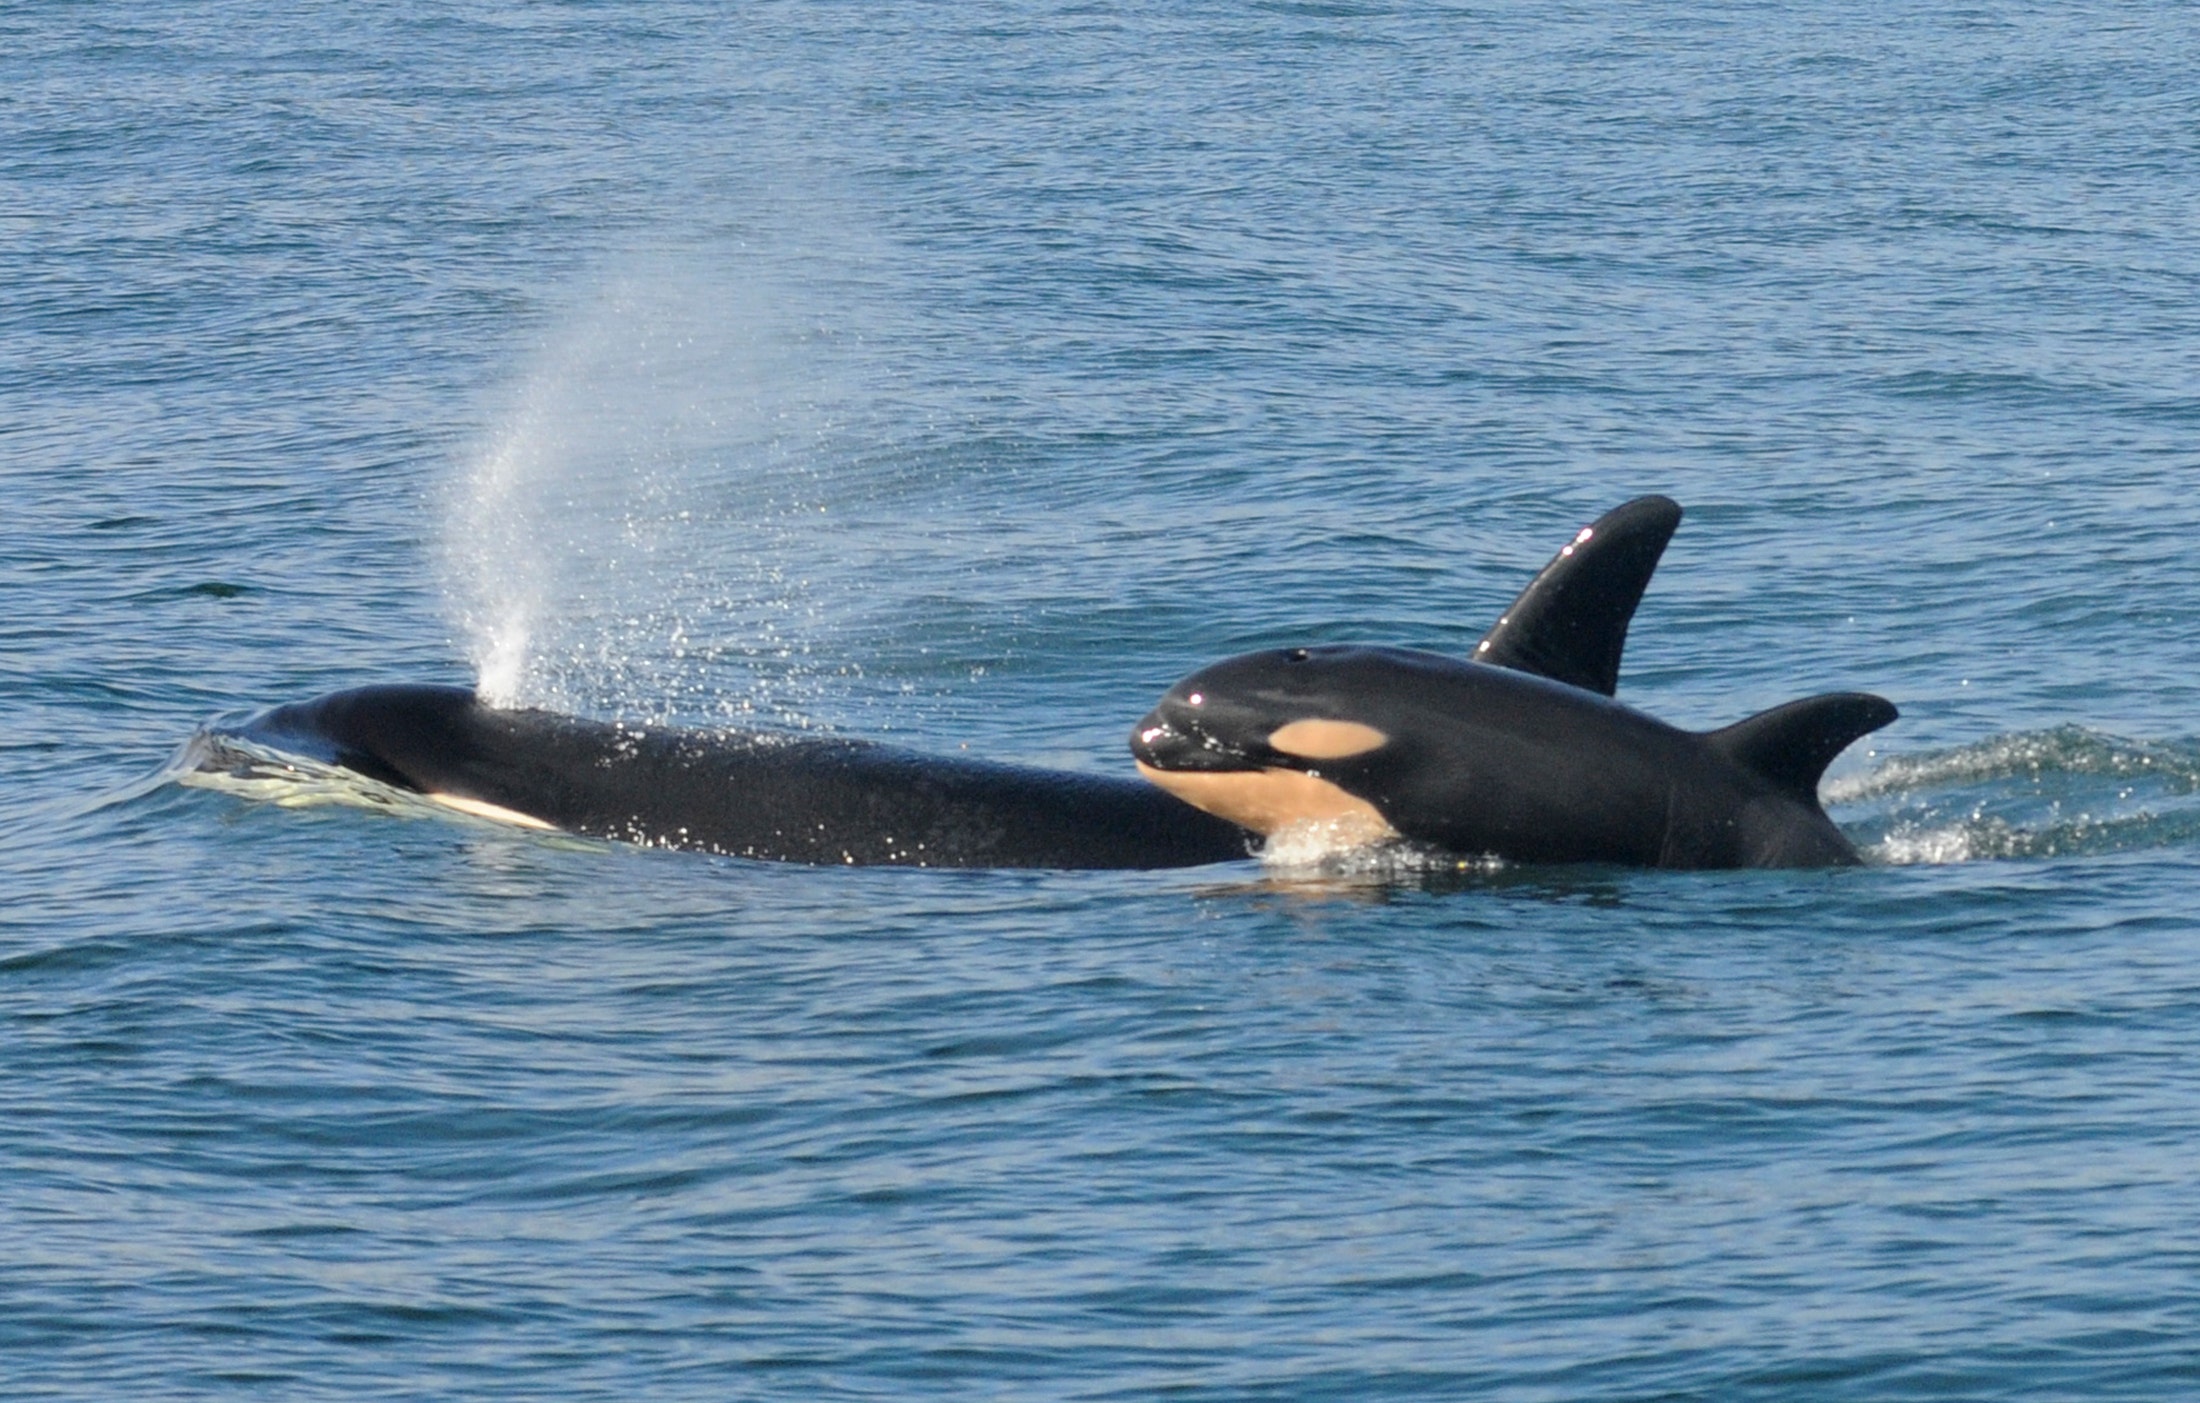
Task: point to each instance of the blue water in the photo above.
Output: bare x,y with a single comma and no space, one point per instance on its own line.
965,375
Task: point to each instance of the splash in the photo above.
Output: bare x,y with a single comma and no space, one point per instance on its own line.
2034,755
2068,791
1343,849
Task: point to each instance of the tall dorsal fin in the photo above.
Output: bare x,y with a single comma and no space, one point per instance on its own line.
1791,745
1570,623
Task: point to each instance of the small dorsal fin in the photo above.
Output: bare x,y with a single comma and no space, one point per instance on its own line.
1791,745
1570,623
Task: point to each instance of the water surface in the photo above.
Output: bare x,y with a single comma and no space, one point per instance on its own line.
964,376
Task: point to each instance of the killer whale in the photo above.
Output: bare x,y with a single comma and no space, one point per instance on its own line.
786,796
1522,753
824,799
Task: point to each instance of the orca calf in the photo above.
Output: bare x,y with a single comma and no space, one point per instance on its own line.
759,794
1520,754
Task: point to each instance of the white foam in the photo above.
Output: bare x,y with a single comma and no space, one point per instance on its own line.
1349,848
231,764
1926,846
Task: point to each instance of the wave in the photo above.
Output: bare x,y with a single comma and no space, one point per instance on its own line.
2066,791
231,764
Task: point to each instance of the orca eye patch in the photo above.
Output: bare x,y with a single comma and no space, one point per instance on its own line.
1296,655
1321,739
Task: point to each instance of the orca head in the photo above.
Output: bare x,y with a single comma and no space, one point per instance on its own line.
1273,740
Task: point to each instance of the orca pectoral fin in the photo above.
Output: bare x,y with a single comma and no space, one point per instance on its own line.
1791,745
1570,623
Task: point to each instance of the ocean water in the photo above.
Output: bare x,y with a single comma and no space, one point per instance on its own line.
963,375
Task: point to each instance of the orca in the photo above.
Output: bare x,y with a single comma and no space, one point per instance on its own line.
1521,753
799,797
780,795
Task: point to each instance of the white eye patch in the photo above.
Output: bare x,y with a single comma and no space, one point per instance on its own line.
1316,739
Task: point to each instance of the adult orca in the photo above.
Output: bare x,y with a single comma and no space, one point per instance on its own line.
807,798
1522,753
759,794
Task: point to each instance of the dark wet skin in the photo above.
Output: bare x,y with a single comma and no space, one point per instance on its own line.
1482,760
775,795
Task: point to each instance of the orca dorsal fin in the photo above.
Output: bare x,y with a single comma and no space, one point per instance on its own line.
1791,745
1570,623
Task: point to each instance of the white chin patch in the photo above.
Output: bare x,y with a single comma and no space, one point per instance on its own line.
1268,800
1320,739
495,813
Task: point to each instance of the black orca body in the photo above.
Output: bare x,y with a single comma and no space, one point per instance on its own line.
1480,760
1523,754
775,795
